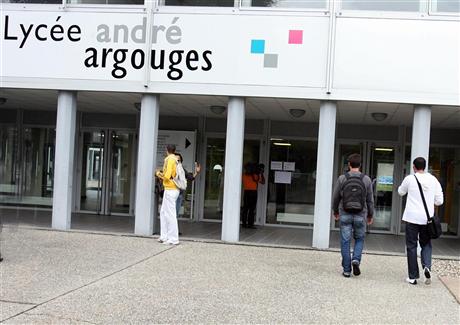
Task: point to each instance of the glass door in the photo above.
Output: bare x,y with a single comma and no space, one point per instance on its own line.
378,162
291,182
38,166
106,173
444,164
382,173
214,178
121,167
344,150
93,171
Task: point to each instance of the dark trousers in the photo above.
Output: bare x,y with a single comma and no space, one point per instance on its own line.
418,233
249,207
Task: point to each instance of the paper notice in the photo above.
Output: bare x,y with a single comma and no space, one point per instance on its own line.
283,177
276,165
289,166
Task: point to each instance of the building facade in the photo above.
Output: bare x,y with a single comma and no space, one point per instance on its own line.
91,91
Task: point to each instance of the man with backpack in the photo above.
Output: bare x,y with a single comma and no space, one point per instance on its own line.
353,207
169,233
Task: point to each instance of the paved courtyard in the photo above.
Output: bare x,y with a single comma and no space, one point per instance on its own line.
79,278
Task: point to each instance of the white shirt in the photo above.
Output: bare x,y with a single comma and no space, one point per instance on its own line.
414,211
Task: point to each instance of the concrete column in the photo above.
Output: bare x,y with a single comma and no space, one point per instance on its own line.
421,133
233,170
324,174
146,164
64,159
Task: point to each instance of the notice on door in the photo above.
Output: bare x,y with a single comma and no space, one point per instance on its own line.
185,142
276,165
283,177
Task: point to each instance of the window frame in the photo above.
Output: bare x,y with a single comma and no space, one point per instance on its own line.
326,10
432,12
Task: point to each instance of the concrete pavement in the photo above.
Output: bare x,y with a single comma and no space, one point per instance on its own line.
77,278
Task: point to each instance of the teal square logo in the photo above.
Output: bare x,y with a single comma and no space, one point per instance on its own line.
257,46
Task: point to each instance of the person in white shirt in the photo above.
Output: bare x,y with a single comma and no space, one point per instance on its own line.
416,218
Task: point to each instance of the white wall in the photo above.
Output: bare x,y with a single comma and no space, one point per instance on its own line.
387,60
397,60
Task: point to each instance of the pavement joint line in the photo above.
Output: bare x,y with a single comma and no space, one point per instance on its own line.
65,318
90,283
18,302
216,241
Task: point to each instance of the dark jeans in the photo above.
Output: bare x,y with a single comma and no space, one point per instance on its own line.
351,225
249,207
416,232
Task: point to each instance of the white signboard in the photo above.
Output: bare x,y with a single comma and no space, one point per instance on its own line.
186,48
185,145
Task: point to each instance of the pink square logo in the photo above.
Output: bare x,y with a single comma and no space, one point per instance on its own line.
296,37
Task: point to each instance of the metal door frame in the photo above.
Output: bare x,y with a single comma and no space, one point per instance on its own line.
218,135
367,145
106,178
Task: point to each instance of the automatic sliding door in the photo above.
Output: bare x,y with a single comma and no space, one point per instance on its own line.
382,165
291,182
122,147
215,167
92,171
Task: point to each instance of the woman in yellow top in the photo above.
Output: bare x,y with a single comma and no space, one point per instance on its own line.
169,232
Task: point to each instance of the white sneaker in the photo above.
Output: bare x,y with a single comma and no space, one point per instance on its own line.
161,240
411,281
427,273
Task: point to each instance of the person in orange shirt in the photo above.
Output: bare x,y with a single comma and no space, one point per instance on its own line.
252,177
169,232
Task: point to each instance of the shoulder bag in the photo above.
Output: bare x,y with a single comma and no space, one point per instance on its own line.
433,223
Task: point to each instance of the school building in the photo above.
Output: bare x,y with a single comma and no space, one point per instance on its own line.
91,91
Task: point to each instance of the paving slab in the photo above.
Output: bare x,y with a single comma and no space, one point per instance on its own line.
216,283
453,284
9,309
40,264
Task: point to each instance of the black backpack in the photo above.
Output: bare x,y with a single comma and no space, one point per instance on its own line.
353,193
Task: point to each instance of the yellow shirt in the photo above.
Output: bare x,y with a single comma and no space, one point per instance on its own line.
169,171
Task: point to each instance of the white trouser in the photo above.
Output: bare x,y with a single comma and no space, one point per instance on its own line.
168,219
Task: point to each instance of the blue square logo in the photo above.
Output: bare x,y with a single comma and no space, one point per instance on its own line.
257,46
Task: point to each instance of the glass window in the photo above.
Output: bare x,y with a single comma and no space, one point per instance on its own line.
107,2
200,3
382,5
314,4
33,1
8,163
27,170
291,182
445,6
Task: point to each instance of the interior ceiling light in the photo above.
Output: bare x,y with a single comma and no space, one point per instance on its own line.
383,149
2,100
281,144
297,112
379,117
217,109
